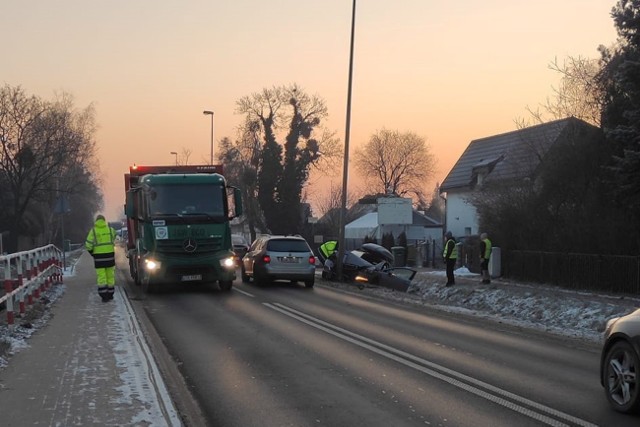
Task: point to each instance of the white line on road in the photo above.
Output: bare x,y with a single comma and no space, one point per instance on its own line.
492,393
243,292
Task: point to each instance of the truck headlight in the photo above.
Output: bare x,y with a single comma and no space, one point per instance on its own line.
152,265
227,263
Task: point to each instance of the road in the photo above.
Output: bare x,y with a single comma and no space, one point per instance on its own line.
285,355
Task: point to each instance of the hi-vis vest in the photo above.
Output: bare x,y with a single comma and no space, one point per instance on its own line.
454,252
100,242
328,248
487,248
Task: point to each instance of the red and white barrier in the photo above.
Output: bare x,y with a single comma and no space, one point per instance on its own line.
26,275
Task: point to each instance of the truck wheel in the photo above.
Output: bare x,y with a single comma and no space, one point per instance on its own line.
136,275
225,285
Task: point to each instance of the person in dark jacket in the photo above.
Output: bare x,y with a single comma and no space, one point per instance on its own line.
485,254
450,256
100,243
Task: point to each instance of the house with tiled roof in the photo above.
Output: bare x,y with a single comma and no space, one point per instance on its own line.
504,158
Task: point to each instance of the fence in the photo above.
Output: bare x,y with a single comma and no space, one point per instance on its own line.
26,275
610,273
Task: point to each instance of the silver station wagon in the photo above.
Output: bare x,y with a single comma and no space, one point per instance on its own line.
272,258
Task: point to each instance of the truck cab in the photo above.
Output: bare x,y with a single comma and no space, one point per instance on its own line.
178,222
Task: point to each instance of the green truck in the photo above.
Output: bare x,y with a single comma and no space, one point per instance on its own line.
178,225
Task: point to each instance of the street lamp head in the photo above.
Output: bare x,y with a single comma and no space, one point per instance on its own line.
207,112
173,152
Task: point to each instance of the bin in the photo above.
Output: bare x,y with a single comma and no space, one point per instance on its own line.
412,254
399,256
67,245
495,267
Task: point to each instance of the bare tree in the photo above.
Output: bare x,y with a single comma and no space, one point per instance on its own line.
41,144
396,163
329,205
579,93
183,157
241,161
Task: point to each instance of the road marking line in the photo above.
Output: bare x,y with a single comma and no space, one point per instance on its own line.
448,375
243,292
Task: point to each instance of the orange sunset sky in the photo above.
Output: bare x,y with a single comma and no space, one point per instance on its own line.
449,71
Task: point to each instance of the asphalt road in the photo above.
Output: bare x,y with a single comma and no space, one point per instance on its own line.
285,355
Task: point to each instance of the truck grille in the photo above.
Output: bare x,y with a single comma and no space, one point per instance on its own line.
203,246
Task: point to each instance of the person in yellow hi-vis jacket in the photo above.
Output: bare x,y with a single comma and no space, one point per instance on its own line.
100,244
485,254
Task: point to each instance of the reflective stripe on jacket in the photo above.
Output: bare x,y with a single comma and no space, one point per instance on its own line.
100,243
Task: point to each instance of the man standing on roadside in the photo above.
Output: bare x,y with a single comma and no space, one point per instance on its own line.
485,253
100,243
450,255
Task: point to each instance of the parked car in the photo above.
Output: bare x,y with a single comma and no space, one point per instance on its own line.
271,258
620,363
240,246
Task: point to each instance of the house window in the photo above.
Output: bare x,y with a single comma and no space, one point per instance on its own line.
467,231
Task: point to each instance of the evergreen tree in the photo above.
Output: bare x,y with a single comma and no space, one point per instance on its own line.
283,169
621,115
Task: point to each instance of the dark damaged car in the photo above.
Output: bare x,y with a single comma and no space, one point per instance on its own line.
370,265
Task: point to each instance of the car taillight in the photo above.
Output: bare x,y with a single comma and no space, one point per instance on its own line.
312,260
266,259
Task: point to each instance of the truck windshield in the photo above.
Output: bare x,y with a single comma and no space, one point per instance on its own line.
201,199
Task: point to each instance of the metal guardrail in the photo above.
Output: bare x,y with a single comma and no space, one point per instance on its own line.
26,275
609,273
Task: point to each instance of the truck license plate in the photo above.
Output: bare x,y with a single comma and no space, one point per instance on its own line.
192,277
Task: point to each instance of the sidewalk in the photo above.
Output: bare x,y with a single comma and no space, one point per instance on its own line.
89,365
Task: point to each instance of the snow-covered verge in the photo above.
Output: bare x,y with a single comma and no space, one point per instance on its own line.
16,339
581,315
12,341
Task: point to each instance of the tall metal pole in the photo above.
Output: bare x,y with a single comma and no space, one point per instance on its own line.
345,171
210,113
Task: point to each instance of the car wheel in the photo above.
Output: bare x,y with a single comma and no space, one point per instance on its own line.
258,279
309,283
621,381
225,285
243,275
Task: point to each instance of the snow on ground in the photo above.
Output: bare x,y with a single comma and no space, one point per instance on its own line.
581,315
141,385
39,314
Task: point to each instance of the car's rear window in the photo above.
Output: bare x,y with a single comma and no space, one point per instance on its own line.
287,245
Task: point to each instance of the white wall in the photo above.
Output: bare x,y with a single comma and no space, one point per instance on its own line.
460,214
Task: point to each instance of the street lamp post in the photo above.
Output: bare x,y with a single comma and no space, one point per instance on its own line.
345,172
175,154
210,113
